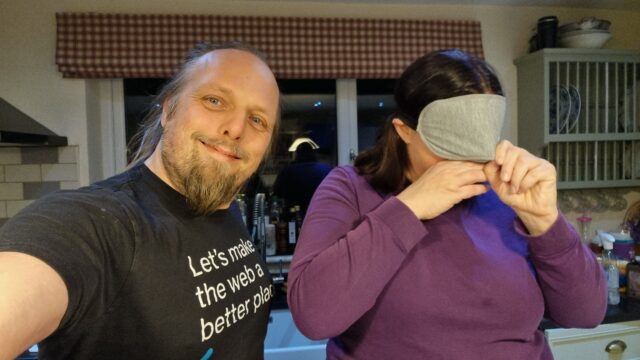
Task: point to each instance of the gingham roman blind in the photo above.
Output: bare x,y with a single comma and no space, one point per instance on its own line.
92,45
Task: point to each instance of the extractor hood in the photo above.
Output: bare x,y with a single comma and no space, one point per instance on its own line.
18,129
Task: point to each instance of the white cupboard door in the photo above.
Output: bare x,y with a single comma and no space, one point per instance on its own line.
622,340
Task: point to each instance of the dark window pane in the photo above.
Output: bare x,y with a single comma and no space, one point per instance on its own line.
375,104
294,171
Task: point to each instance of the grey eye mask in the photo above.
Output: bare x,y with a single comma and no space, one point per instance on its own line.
464,127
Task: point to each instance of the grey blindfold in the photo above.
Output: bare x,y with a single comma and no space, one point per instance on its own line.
464,127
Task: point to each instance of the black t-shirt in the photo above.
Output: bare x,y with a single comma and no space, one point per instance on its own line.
147,279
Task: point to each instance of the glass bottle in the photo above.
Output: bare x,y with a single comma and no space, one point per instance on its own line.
611,270
292,228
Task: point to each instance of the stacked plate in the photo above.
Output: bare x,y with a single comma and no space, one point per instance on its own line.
564,109
586,33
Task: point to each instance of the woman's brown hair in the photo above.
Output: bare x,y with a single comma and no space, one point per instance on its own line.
435,76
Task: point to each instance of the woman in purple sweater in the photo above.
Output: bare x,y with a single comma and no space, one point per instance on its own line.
440,242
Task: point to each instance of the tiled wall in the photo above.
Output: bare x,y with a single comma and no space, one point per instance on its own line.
27,173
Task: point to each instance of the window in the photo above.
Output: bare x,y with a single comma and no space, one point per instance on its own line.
375,104
313,111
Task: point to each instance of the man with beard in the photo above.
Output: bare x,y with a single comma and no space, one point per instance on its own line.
151,263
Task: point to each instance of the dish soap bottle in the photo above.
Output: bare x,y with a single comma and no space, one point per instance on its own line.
609,262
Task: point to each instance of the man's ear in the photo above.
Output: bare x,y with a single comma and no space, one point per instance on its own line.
166,108
163,116
404,131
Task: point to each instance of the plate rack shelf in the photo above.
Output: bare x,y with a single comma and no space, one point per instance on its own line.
580,109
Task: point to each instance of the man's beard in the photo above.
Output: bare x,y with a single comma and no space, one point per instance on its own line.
207,184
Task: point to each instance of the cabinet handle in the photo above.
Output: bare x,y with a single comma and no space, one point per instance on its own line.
616,347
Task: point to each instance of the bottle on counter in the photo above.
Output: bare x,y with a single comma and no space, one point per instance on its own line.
292,229
275,211
270,237
611,269
633,278
298,220
584,225
282,237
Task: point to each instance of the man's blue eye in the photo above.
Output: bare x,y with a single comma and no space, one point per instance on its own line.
258,121
214,101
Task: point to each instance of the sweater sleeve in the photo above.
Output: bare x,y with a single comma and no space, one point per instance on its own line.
344,258
572,282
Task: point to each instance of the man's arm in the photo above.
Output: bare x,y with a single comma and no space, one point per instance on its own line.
33,300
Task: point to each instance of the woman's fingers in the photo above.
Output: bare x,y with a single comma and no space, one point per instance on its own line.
501,151
472,176
510,158
470,191
542,172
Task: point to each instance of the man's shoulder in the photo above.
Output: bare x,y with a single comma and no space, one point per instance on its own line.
109,197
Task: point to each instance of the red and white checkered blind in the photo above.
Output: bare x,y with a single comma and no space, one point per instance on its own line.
91,45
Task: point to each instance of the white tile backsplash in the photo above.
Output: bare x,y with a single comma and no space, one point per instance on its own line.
59,172
69,185
11,191
22,173
10,155
68,154
14,206
28,173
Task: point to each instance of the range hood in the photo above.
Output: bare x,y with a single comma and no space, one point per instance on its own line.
18,129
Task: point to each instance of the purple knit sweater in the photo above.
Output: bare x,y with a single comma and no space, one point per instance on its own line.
469,284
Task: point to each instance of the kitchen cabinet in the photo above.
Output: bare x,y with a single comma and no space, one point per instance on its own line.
579,108
605,342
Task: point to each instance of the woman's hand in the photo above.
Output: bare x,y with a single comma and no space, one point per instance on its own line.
443,185
527,184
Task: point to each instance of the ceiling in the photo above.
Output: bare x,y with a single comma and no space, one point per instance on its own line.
633,5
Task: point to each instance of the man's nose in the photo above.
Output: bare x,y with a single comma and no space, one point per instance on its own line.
234,124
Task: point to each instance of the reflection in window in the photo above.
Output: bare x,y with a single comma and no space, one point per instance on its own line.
306,146
375,104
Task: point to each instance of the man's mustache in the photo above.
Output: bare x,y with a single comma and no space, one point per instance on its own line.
232,148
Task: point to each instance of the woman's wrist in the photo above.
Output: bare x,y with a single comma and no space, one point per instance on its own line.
538,224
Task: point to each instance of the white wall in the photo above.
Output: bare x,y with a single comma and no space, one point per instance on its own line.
29,78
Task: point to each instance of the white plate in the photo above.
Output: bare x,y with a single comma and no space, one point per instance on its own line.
559,102
574,108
